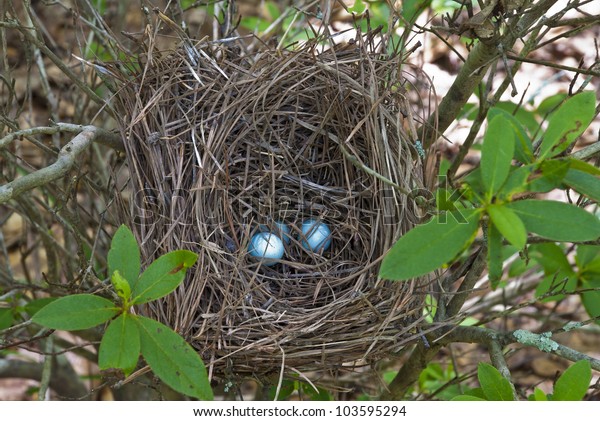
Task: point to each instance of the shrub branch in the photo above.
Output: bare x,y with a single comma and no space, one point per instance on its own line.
67,158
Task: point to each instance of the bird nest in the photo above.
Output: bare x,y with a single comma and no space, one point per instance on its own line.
221,144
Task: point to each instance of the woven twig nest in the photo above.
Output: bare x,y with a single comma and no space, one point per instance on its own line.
222,144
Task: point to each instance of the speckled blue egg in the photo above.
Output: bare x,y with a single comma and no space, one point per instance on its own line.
316,236
266,247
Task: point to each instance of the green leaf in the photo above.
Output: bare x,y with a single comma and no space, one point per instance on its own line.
494,385
497,153
577,164
287,388
173,360
316,395
588,258
6,318
445,199
254,23
550,104
551,257
124,255
429,246
522,116
411,9
472,186
523,146
358,7
555,170
556,284
34,306
273,10
76,312
574,382
557,221
468,111
120,346
163,276
567,123
539,395
466,398
509,224
121,286
494,255
591,299
517,181
559,276
583,183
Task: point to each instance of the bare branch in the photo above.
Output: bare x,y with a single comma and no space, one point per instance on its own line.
66,160
64,381
481,57
57,61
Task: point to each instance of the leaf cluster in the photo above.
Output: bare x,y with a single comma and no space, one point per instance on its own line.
128,335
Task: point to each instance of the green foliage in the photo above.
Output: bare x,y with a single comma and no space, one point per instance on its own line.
171,358
124,254
120,346
526,119
358,7
572,385
76,312
584,183
567,123
559,277
6,318
285,391
523,147
305,391
489,194
162,276
436,380
497,153
121,286
429,246
34,306
550,104
557,221
495,386
411,9
587,261
508,224
467,398
538,395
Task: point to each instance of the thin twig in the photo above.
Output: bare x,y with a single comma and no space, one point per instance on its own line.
58,62
474,69
555,65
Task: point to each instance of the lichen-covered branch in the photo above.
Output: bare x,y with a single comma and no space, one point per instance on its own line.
545,344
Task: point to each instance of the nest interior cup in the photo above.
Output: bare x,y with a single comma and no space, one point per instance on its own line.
222,144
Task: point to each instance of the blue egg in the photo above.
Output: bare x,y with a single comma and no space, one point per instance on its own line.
266,247
316,236
282,230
